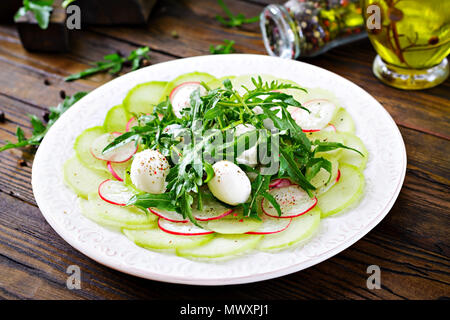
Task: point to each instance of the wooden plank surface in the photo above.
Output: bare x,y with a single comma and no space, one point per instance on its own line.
411,245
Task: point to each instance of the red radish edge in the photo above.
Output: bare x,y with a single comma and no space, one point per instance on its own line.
215,218
288,217
180,85
255,232
156,213
274,183
127,127
338,175
103,198
113,172
332,125
281,183
183,234
117,134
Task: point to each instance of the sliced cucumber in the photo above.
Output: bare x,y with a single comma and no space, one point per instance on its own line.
222,246
81,179
159,240
352,157
343,121
212,209
187,77
116,119
344,193
143,97
326,136
91,211
124,215
322,180
83,145
234,223
300,229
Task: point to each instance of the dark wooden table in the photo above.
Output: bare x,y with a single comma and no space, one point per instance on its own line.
411,245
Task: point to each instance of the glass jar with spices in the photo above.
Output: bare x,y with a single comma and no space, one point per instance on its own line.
306,28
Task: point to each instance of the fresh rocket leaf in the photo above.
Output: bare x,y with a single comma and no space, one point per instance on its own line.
148,200
39,128
323,146
113,63
66,3
41,9
226,47
233,20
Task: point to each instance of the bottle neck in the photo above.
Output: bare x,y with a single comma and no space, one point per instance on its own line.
281,36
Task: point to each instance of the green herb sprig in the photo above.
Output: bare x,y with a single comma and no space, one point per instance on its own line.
114,63
233,20
40,129
226,47
41,10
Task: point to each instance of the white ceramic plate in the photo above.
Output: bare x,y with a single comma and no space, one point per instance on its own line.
384,174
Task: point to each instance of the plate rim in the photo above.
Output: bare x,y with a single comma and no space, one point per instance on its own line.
89,252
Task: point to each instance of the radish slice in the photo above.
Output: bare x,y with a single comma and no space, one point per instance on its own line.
118,170
180,95
114,192
330,127
212,210
182,229
171,216
338,175
320,115
271,225
120,154
293,201
113,172
131,123
280,183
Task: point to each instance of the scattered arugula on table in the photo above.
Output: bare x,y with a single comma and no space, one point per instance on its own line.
219,112
66,3
226,47
41,10
40,129
114,63
233,20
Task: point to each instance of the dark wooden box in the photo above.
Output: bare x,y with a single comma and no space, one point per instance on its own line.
53,39
8,9
111,12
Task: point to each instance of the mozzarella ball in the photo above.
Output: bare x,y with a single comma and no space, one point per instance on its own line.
249,156
181,96
149,170
230,184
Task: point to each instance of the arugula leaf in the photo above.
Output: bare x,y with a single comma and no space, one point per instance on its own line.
66,3
226,47
113,63
41,9
233,20
147,200
323,146
39,128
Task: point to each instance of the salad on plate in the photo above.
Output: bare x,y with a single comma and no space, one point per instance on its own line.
209,168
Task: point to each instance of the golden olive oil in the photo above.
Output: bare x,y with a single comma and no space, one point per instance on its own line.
414,34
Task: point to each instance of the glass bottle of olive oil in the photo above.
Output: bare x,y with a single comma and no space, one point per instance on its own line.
412,40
